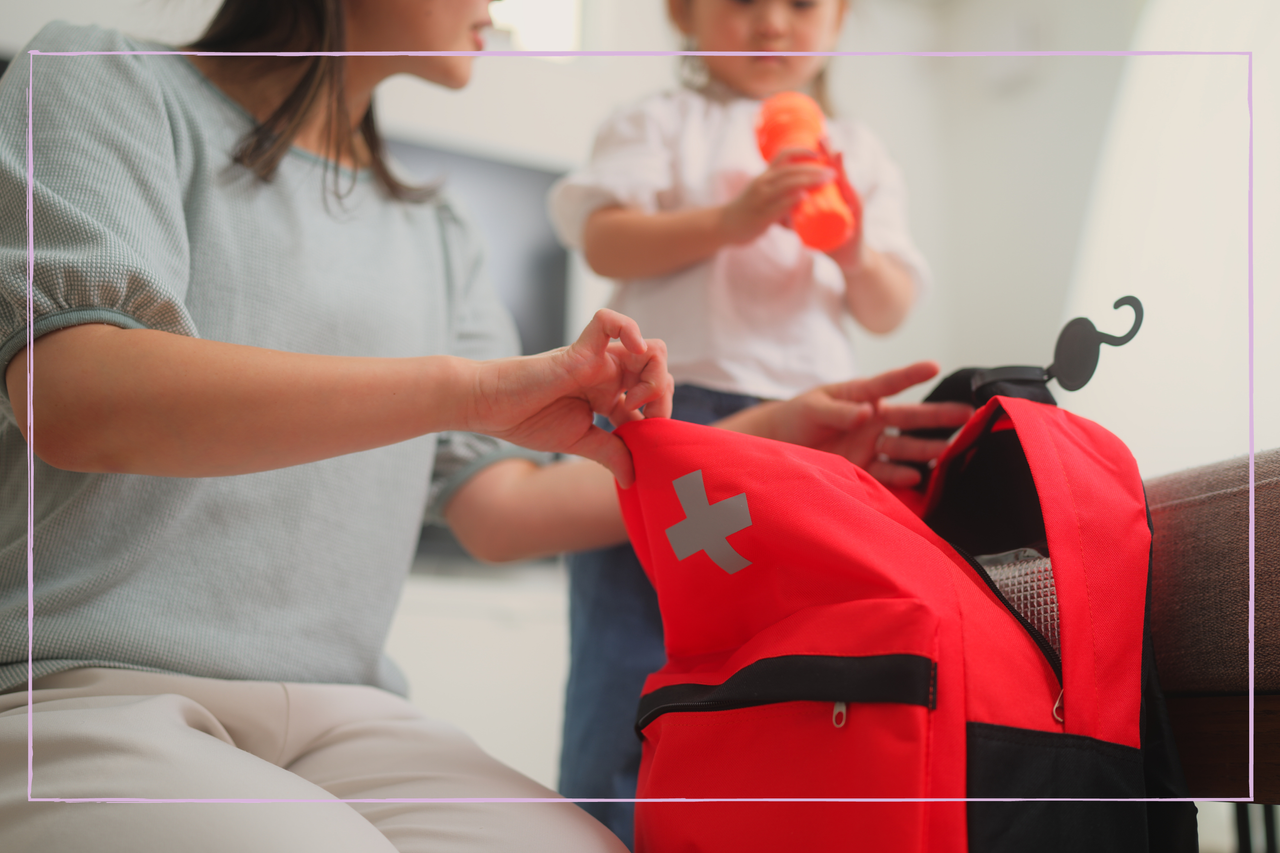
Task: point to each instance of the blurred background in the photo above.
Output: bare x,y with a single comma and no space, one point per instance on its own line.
1042,188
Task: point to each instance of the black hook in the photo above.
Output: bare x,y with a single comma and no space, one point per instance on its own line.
1075,357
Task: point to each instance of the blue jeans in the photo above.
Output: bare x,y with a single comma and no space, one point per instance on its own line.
615,642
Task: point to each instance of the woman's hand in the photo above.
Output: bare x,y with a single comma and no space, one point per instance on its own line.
547,402
771,195
848,418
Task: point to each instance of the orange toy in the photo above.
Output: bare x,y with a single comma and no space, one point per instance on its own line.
791,120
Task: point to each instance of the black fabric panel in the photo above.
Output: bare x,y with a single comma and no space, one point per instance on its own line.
905,679
1036,391
990,502
1058,828
1009,762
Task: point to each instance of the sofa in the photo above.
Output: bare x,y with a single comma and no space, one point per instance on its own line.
1199,621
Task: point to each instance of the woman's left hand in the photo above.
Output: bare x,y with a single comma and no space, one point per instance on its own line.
849,419
547,401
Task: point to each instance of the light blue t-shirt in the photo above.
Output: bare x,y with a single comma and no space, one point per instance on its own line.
143,221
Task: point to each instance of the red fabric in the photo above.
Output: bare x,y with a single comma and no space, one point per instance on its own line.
840,566
1100,544
821,535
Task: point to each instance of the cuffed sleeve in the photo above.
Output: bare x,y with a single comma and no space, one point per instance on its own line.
110,239
461,455
630,166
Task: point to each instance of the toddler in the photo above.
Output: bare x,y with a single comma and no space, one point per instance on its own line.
678,206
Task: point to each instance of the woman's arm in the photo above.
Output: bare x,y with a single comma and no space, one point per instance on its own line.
148,402
625,243
515,510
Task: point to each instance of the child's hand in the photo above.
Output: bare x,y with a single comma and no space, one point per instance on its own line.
546,402
849,255
769,198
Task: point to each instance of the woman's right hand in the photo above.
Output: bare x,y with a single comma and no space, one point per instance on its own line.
772,194
548,401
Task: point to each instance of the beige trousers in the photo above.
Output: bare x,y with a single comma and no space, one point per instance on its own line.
106,733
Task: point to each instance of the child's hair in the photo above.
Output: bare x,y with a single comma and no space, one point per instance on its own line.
693,75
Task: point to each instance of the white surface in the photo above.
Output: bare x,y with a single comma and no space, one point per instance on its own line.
1216,823
1170,224
171,21
540,24
489,652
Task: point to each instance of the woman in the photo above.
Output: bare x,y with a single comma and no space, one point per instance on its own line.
248,332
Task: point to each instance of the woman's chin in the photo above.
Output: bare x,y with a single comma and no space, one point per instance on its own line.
452,72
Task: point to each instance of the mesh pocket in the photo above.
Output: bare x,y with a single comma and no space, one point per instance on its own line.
1025,578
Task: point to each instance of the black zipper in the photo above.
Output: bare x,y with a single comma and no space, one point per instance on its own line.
1051,655
898,678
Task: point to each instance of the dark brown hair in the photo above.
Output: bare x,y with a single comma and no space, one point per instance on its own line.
250,26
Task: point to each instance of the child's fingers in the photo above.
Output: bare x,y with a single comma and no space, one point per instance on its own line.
794,155
804,176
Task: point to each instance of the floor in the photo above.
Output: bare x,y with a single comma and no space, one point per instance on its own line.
487,648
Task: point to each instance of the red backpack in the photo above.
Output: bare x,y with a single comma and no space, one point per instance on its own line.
826,642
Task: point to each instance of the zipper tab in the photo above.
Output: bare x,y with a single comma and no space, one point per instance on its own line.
1057,705
839,714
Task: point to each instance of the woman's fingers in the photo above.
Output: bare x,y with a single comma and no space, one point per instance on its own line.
608,325
906,448
645,383
894,476
886,384
607,449
927,415
841,415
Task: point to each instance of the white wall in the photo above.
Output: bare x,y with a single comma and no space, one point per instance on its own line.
171,21
898,98
534,111
1170,223
1022,136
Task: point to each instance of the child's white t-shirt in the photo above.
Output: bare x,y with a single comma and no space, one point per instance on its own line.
765,318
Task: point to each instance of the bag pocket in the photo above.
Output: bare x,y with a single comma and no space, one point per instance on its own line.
834,702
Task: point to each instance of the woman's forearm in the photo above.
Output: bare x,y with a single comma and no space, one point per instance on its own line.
624,243
139,401
147,402
515,510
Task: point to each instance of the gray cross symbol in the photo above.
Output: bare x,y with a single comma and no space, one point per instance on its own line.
706,527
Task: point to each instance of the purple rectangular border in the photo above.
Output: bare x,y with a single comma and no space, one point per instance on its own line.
657,53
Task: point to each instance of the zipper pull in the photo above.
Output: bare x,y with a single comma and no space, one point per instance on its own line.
1057,705
839,714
